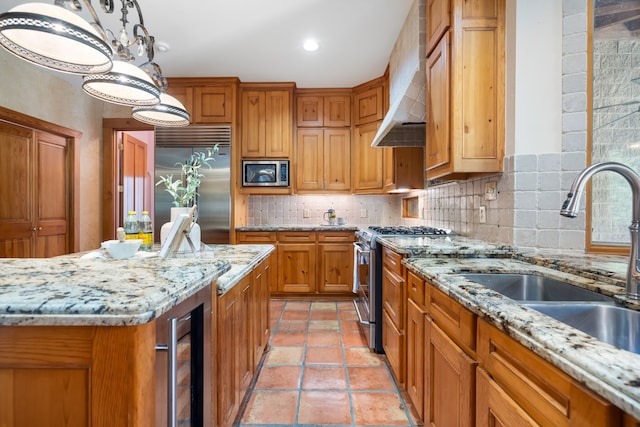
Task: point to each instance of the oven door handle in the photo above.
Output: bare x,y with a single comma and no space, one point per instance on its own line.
360,319
172,371
361,248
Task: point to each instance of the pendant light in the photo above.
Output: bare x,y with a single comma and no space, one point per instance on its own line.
169,112
125,84
56,38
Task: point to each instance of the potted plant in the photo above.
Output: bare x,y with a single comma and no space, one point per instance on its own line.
184,191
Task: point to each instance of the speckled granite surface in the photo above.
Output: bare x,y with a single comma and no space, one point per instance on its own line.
433,246
612,373
302,227
89,290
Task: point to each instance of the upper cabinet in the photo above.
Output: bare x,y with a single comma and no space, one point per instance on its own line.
368,105
323,160
266,121
404,169
465,88
368,162
208,100
323,110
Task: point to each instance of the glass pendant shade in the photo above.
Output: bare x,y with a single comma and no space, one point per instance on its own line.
125,84
169,112
54,38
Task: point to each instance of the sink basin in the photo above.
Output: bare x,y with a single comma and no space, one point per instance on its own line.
530,287
614,325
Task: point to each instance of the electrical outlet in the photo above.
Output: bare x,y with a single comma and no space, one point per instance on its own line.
363,213
490,191
482,215
306,213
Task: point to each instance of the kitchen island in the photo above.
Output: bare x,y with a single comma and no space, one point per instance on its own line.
610,373
78,333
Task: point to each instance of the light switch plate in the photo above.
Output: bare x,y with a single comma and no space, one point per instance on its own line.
490,191
306,213
482,215
363,213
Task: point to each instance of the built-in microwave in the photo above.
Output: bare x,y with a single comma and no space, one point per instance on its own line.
265,173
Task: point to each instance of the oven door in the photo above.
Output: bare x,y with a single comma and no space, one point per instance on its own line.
362,279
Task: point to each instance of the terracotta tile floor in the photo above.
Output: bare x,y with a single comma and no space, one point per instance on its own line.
320,372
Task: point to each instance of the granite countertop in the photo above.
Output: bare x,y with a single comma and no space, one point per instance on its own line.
610,372
94,289
300,227
452,245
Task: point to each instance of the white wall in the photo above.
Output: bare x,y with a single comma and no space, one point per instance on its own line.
535,76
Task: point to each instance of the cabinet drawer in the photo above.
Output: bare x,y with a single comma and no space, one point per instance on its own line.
393,342
336,236
297,236
393,297
453,318
392,260
547,394
415,289
256,237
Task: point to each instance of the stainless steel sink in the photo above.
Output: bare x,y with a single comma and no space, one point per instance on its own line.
530,287
615,325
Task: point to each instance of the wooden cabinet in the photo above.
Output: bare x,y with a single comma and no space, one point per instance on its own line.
323,160
35,185
261,296
415,355
465,128
316,110
368,162
335,262
438,21
266,128
368,105
208,100
494,407
267,238
297,262
404,169
394,295
533,386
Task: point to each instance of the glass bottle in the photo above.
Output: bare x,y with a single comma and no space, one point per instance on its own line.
131,226
145,232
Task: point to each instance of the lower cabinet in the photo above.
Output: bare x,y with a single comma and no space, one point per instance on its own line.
394,295
307,262
415,355
243,329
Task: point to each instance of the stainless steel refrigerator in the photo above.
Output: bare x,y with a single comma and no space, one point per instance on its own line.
175,145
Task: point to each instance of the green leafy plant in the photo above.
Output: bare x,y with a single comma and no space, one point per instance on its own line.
185,189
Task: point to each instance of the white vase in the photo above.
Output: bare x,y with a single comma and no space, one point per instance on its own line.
194,234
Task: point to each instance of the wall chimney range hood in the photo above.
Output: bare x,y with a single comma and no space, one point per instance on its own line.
404,123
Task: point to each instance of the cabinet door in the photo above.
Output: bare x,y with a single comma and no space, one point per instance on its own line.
494,407
368,106
337,111
449,380
229,331
415,356
184,94
252,130
310,111
368,162
438,21
296,267
393,343
336,267
438,87
337,160
212,104
310,161
393,294
279,124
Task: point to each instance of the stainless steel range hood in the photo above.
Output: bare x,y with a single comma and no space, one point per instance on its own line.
403,125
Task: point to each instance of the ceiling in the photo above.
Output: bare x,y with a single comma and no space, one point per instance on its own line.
261,40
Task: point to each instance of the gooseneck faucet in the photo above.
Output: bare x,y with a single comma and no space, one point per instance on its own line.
571,205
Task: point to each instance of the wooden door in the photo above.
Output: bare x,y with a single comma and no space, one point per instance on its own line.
368,106
252,129
337,111
134,175
415,356
228,337
438,88
336,267
52,196
16,186
212,104
449,380
309,155
368,161
393,343
278,125
495,408
310,110
245,348
438,21
337,159
296,267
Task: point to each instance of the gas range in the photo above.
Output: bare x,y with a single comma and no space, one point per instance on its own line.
374,231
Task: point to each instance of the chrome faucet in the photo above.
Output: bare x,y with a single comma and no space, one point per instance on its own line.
571,205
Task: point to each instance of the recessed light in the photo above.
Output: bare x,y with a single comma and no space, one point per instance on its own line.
310,45
162,46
